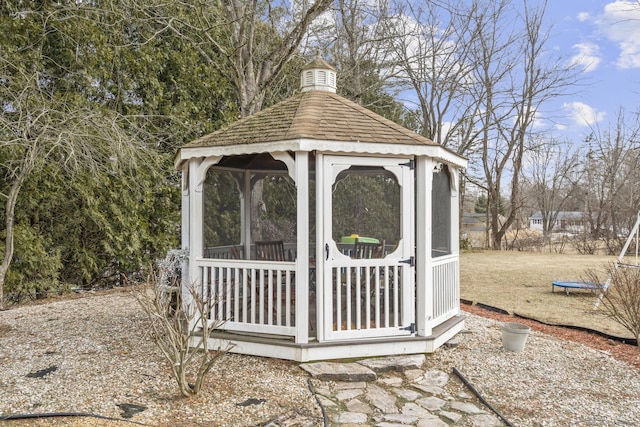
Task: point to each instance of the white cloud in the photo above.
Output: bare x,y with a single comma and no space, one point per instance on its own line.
583,16
588,56
620,23
582,114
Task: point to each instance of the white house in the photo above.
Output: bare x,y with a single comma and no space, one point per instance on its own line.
316,296
565,221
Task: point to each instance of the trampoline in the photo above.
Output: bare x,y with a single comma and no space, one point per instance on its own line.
574,285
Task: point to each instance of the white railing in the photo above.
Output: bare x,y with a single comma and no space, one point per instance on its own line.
249,295
446,288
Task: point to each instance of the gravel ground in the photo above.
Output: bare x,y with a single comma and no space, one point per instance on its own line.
99,357
553,382
92,355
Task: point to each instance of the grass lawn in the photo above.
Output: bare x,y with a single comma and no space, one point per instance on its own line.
520,283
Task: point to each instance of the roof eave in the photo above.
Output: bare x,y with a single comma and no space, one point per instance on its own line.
337,147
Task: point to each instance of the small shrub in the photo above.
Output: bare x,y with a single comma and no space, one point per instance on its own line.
181,330
584,244
559,246
614,245
621,300
465,244
525,241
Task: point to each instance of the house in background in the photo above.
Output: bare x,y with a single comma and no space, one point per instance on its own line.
566,222
308,295
474,228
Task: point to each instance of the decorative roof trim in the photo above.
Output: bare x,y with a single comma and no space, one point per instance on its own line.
334,147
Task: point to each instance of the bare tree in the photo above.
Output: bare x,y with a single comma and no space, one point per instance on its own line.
515,77
248,41
431,44
357,42
612,176
481,72
552,177
42,129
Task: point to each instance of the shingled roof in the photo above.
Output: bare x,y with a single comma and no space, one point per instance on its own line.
314,115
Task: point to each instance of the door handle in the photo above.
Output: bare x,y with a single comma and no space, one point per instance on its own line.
326,251
411,261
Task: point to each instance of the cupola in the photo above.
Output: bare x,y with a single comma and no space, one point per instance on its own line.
318,75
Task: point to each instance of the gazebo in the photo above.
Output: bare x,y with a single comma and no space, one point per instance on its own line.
321,230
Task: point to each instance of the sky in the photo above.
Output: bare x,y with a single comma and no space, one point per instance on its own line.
603,39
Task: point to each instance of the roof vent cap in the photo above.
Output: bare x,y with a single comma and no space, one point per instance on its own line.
318,75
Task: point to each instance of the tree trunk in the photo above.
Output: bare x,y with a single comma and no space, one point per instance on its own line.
10,208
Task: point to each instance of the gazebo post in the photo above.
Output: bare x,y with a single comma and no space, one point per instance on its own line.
190,276
424,294
186,214
302,244
319,249
245,233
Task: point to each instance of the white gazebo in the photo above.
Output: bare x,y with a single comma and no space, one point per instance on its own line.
321,230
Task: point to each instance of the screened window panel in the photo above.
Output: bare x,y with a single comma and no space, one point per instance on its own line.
441,213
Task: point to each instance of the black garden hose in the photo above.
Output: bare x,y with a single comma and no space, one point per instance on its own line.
482,399
324,412
64,414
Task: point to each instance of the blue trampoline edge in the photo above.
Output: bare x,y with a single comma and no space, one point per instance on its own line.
574,285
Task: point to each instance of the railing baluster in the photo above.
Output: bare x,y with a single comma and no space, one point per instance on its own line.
347,297
243,292
358,299
236,294
217,279
396,296
261,287
375,295
270,297
289,298
278,289
228,284
206,286
254,297
387,304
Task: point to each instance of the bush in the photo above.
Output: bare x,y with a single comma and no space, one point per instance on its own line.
614,245
34,270
621,298
584,244
465,243
181,330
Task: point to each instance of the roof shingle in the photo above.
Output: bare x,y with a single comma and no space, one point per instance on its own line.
319,115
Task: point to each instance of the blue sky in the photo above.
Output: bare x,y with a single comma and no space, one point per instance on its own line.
603,39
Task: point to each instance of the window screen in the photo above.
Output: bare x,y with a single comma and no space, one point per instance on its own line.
441,213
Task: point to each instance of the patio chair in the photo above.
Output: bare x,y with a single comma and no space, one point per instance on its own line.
363,250
274,251
270,251
235,252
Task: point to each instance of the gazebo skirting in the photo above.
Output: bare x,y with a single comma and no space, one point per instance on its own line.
280,348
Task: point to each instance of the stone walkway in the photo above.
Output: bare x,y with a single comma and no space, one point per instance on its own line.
395,392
